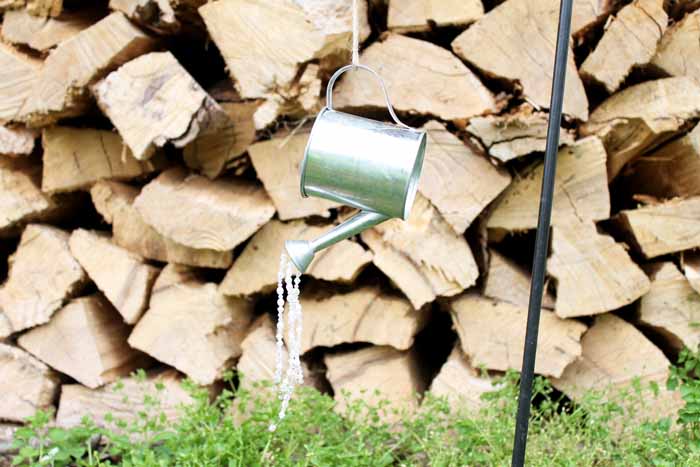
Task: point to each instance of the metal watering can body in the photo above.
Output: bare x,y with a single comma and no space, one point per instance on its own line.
363,163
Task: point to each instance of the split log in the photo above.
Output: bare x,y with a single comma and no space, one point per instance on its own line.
528,48
43,274
200,213
460,383
423,256
255,270
18,74
42,34
114,201
122,276
123,400
670,170
663,228
580,190
449,90
16,141
519,133
588,14
593,273
276,163
363,315
376,374
642,116
492,334
21,199
456,179
194,328
508,282
194,120
422,15
61,87
74,159
26,384
678,54
86,340
615,355
629,41
691,269
303,30
672,307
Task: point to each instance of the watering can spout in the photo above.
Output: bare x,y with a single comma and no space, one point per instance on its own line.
301,252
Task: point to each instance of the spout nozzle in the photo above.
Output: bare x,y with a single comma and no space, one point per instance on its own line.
300,252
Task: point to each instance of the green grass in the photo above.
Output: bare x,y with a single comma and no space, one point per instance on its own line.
593,432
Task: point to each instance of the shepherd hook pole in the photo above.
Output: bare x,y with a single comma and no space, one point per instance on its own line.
539,262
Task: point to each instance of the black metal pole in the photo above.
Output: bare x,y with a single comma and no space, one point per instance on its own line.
539,262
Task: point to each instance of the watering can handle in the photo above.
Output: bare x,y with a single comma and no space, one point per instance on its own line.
340,71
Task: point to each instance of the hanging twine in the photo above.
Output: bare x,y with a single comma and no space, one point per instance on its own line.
355,35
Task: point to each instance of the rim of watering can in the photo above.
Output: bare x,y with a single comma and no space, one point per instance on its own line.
412,187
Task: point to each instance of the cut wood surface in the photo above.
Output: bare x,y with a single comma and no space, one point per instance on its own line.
642,116
276,163
593,273
153,101
672,307
395,375
26,384
421,15
691,269
363,315
86,340
42,34
492,334
456,179
255,270
126,282
114,201
194,328
123,400
670,170
449,90
589,13
663,228
16,141
678,53
629,41
519,133
76,158
61,87
200,213
423,256
580,190
509,282
156,15
21,199
461,383
43,274
525,54
303,30
18,73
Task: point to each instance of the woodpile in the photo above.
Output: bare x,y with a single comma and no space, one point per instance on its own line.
149,161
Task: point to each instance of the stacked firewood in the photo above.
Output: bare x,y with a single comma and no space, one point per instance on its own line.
149,160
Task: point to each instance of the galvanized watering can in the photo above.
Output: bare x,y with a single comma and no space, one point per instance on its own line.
366,164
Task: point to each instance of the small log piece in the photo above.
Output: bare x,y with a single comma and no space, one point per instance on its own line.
456,179
664,228
42,34
18,74
590,13
422,15
593,273
43,274
26,384
124,278
255,270
155,15
492,334
16,141
678,53
193,327
449,90
86,340
200,213
509,282
580,190
114,201
461,383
